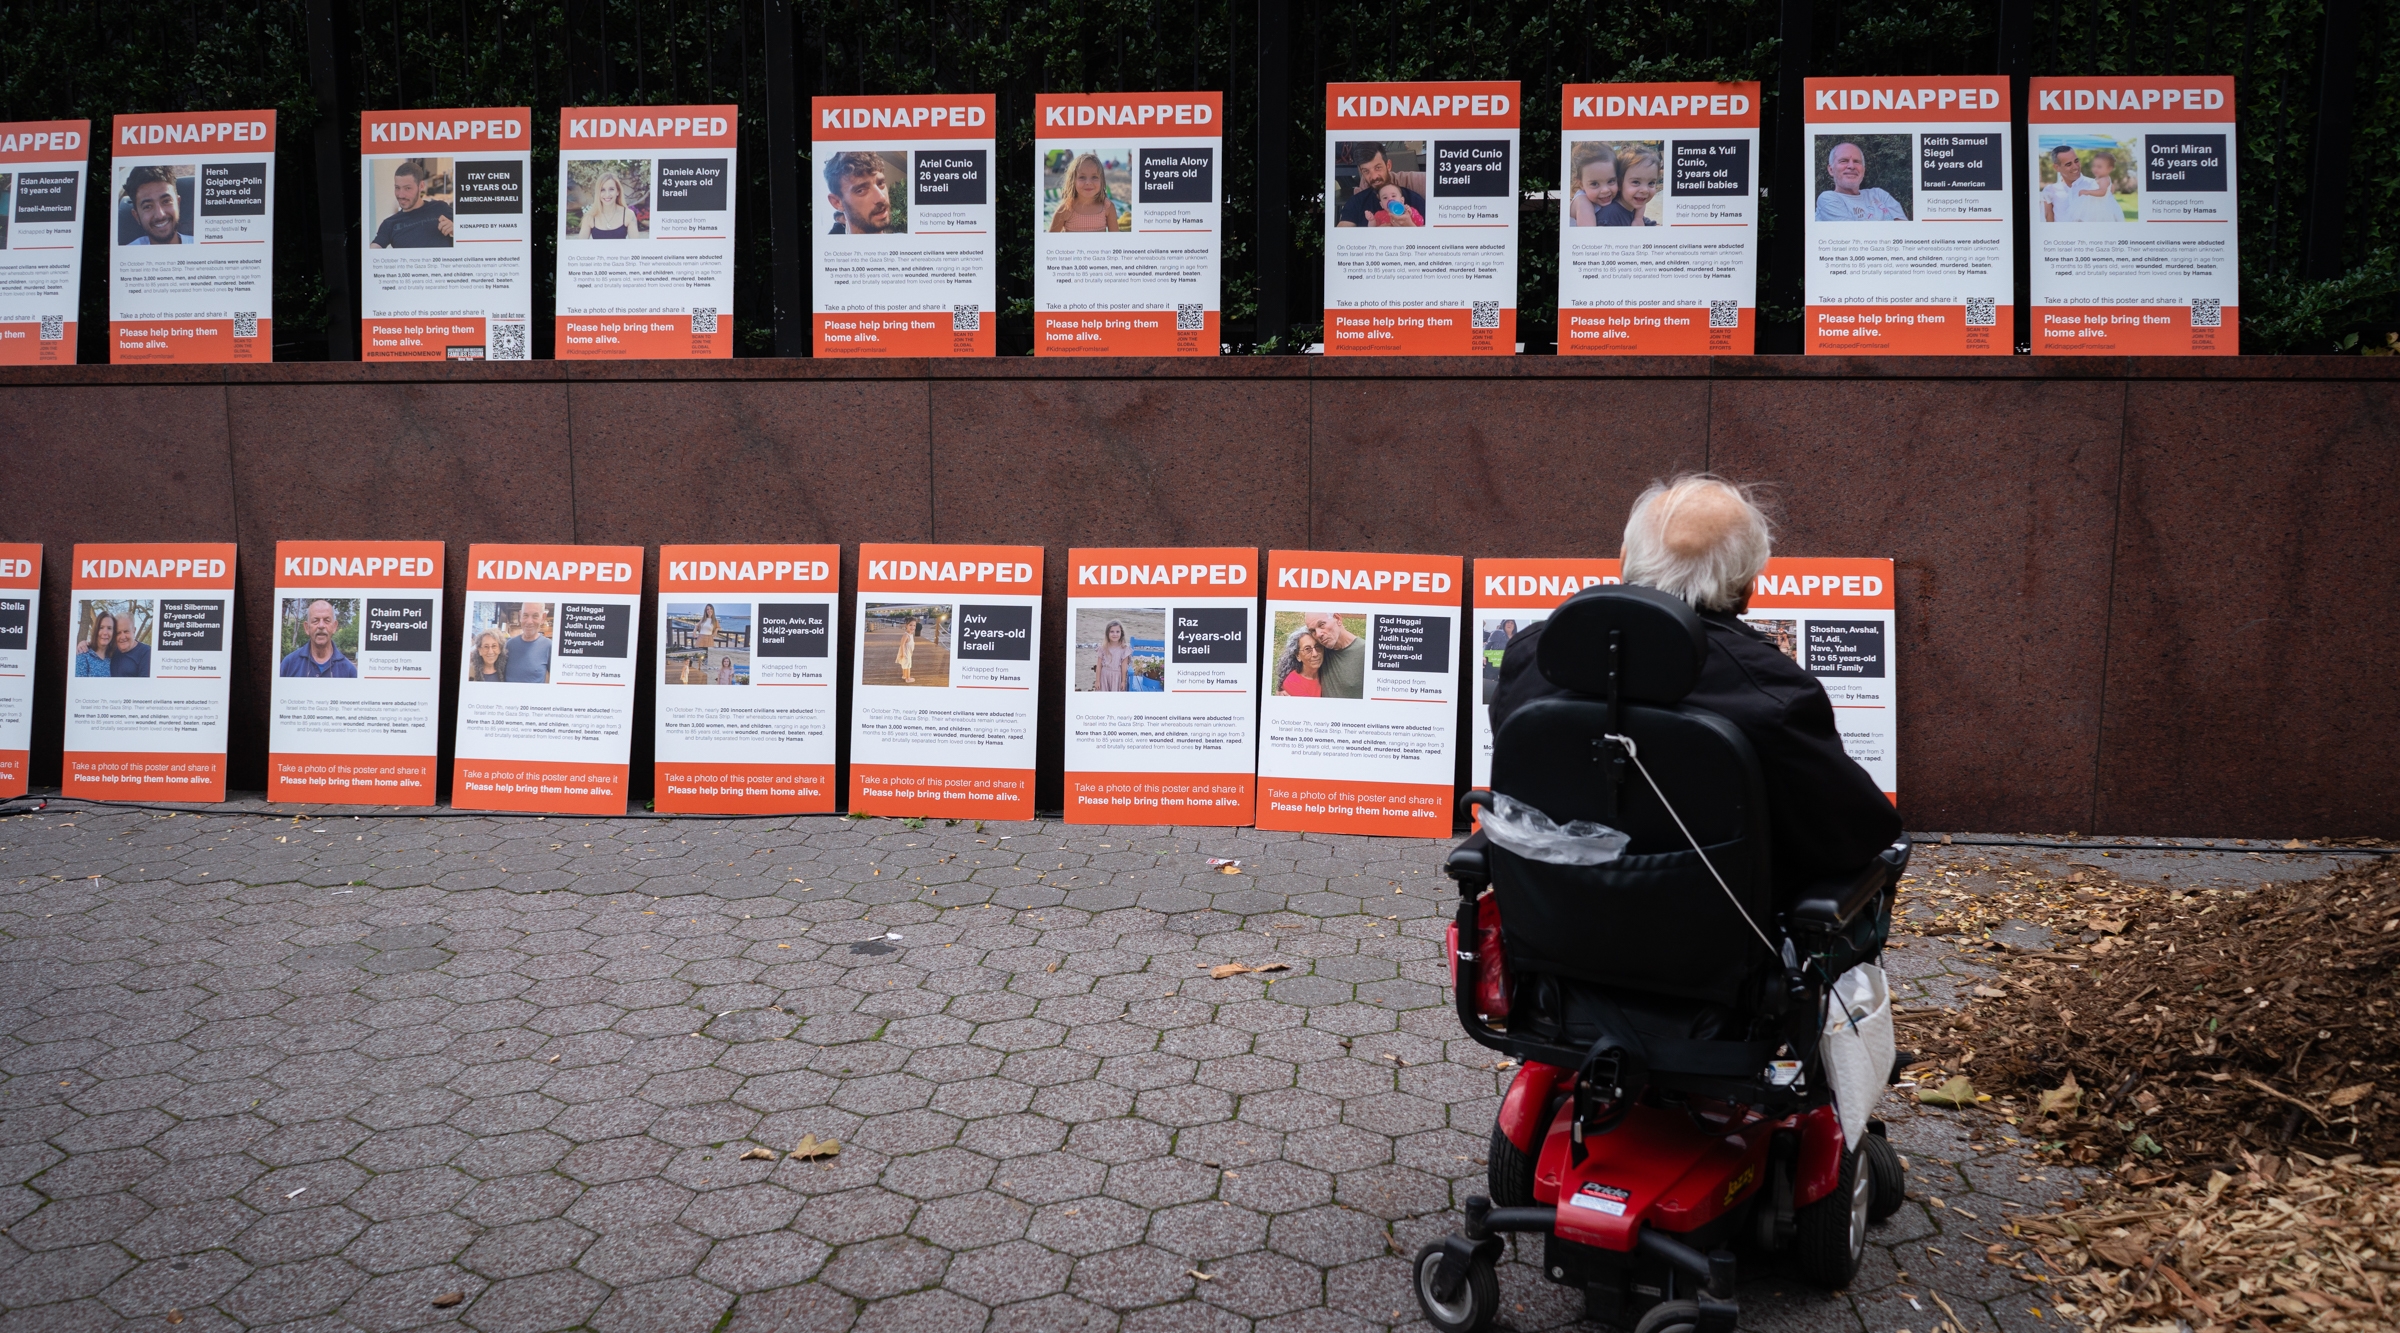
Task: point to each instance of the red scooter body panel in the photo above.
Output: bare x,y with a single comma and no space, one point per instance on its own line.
1821,1151
1656,1168
1528,1097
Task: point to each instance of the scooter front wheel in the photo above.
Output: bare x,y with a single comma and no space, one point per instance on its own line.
1670,1317
1469,1309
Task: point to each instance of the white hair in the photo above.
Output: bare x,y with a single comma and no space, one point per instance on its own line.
1712,578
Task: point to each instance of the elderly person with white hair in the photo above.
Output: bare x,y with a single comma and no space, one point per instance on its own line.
1705,540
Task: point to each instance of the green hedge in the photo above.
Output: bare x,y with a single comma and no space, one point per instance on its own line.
76,58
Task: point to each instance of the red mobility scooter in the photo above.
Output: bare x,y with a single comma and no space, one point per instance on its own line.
1668,1006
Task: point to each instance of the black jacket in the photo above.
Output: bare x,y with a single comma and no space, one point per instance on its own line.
1825,815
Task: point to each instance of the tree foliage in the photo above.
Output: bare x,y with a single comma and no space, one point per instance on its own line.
82,58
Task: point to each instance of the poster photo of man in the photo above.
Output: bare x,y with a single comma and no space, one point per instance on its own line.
509,643
868,190
1379,184
412,200
320,638
155,204
1865,177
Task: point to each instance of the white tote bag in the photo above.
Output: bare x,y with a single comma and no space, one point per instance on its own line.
1859,1046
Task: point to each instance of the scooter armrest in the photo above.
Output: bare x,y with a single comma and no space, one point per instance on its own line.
1467,863
1833,903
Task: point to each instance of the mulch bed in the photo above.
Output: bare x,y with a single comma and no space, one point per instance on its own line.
2228,1057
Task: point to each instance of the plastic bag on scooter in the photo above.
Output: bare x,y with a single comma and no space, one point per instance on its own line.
1535,836
1858,1046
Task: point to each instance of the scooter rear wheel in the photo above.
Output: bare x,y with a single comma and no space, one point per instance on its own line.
1891,1182
1833,1230
1469,1310
1510,1171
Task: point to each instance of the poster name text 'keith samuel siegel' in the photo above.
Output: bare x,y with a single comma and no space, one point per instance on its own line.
947,680
1908,228
191,254
354,714
904,233
149,670
645,233
446,273
1421,219
1358,732
1127,224
1833,617
2135,245
1658,219
1162,685
748,657
20,628
42,168
545,698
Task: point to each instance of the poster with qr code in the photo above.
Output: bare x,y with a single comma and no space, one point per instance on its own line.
191,257
1421,218
42,169
1127,211
904,230
1832,616
2135,239
1910,217
1658,219
446,213
645,232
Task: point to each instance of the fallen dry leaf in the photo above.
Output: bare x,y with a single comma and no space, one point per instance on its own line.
1204,1277
1229,870
1224,970
1957,1092
758,1155
810,1148
2106,927
2064,1098
174,1316
1052,968
1990,993
448,1299
2352,1095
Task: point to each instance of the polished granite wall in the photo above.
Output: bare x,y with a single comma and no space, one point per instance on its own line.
2137,596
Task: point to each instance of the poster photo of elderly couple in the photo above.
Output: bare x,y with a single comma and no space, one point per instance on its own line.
1319,655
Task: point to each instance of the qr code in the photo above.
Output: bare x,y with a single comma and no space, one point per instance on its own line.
508,343
245,323
1979,312
1188,319
1487,315
2207,314
54,328
966,319
704,319
1724,314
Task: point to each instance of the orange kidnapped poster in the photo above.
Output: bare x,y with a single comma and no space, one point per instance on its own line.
149,665
946,680
747,659
41,241
191,244
545,697
904,224
1421,218
20,625
645,233
354,710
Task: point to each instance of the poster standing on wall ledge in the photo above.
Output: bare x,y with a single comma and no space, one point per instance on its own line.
191,255
1127,223
1162,685
904,233
42,168
446,273
20,629
645,232
1909,235
354,710
2136,248
1358,730
946,680
1421,219
149,671
546,679
1658,220
747,659
1832,616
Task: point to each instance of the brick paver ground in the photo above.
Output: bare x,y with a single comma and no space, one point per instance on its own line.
313,1074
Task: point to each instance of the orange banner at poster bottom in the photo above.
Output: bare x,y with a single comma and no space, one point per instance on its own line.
1122,333
23,345
743,789
351,779
1449,332
640,338
2132,330
436,338
15,771
912,789
1392,809
1224,799
1655,331
905,333
539,786
123,775
187,341
1908,330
